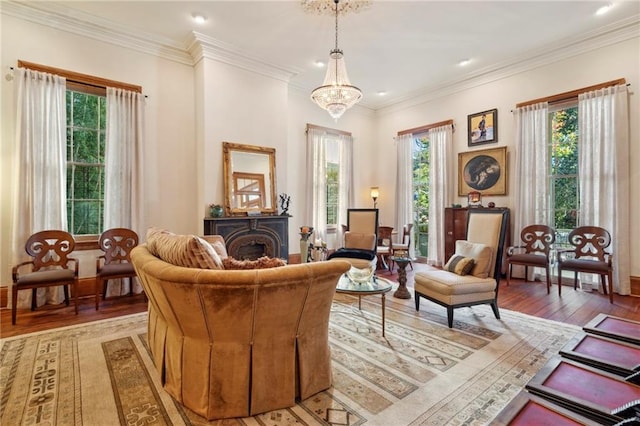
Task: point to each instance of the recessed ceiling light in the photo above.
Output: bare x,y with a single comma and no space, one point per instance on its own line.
199,18
382,93
604,9
464,62
319,64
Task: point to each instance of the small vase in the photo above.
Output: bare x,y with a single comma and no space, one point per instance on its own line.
216,211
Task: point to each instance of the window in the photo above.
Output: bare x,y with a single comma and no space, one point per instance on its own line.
86,120
333,184
563,169
332,194
421,169
86,141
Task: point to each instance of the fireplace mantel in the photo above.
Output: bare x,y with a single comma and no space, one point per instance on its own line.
250,237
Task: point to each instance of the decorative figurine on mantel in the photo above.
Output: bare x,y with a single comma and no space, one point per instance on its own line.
284,204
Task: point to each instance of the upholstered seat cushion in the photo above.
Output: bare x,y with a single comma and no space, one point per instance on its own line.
586,265
116,269
531,259
452,288
53,275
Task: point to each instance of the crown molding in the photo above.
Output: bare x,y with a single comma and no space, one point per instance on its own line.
201,46
80,23
617,32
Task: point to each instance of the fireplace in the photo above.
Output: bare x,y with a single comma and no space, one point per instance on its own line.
252,237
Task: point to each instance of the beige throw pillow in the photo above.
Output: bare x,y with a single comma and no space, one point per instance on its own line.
189,251
481,254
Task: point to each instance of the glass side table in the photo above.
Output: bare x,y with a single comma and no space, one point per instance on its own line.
402,261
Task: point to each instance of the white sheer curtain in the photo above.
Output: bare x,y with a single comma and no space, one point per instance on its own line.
531,167
345,178
123,206
441,188
317,181
603,157
404,185
319,141
39,202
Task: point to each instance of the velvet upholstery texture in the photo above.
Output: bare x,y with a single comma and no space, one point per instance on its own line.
242,342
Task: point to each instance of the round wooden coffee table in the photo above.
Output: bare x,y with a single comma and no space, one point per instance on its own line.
376,285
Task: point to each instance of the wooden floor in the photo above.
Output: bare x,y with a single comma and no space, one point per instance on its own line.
574,307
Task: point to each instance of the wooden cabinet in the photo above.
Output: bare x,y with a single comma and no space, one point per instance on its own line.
455,228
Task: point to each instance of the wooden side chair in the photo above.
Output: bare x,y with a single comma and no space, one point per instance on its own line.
589,255
537,242
116,243
401,248
51,266
383,250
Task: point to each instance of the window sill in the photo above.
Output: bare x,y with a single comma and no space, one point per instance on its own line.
86,242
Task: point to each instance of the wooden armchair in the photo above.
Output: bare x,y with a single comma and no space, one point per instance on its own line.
51,266
383,249
589,255
538,240
116,243
401,248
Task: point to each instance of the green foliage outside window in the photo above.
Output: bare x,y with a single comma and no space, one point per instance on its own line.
86,120
332,193
564,168
421,183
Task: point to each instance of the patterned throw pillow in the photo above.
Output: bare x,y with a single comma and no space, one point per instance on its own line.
188,251
260,263
459,265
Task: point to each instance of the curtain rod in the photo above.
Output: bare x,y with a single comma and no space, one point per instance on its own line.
327,129
77,78
426,128
572,93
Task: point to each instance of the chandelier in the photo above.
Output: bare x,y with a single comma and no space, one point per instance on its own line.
336,94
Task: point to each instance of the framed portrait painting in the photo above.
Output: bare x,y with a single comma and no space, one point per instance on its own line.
484,171
482,127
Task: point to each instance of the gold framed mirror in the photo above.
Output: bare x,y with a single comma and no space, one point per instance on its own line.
249,179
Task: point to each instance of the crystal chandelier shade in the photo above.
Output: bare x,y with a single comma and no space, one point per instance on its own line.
336,94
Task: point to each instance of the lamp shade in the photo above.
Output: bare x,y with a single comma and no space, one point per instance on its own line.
375,192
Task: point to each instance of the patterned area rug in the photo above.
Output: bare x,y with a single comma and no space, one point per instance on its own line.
422,373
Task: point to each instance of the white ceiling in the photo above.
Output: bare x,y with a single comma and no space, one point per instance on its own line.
403,48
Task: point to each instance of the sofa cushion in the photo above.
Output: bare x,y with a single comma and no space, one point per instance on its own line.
481,254
260,263
217,242
459,264
189,251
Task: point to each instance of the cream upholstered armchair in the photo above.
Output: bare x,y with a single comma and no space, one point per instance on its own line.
360,239
472,275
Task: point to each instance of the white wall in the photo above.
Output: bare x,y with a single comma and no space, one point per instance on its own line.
621,60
